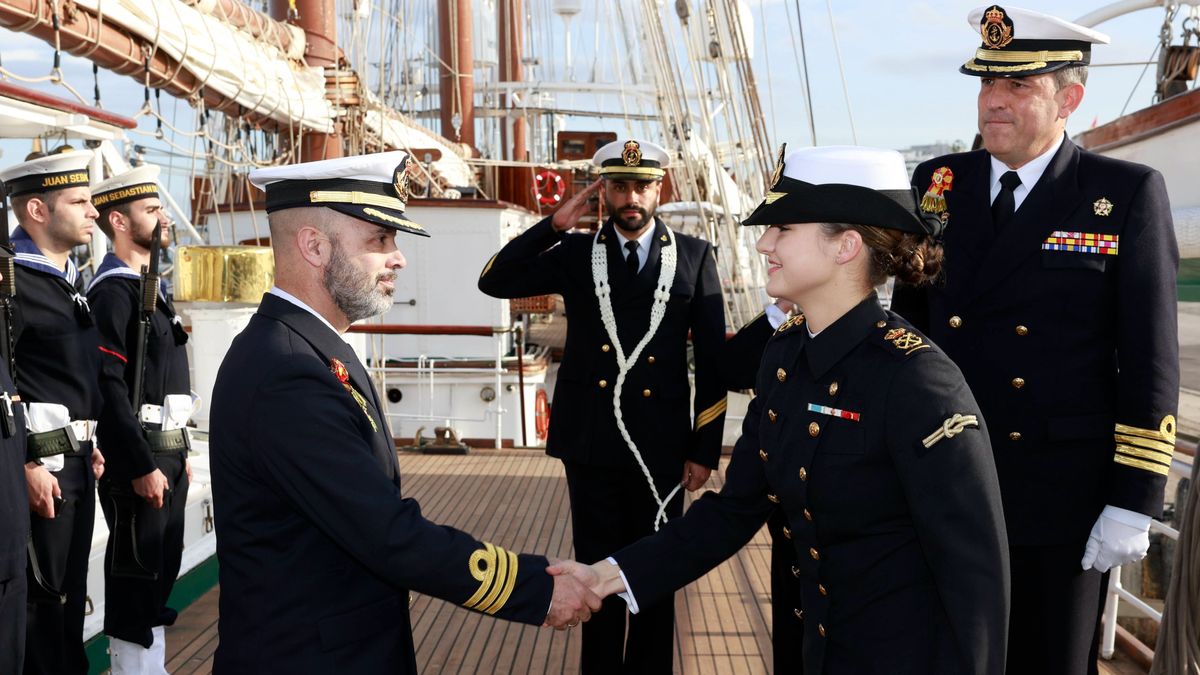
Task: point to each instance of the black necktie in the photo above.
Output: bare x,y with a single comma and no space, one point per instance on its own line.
631,258
1005,204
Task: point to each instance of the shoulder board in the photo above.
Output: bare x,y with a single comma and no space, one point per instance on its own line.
900,341
791,323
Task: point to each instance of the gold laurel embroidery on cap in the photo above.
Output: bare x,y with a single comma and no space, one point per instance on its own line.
1022,57
354,197
996,28
777,175
950,428
400,181
496,571
971,65
711,413
392,219
773,197
1102,207
632,154
633,170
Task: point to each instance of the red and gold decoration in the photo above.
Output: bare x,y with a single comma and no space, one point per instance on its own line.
339,371
940,183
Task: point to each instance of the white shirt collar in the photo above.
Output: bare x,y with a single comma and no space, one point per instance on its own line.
1030,173
284,295
643,241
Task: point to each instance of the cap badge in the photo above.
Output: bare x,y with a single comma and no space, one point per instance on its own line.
934,200
996,28
1102,207
400,181
632,154
778,174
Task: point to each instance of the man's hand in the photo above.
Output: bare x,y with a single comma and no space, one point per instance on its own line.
574,208
43,488
151,487
572,601
602,578
97,463
187,466
694,476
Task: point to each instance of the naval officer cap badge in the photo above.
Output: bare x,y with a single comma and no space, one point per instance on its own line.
632,160
844,184
1020,42
373,187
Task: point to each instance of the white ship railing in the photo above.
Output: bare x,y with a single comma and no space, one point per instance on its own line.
1118,594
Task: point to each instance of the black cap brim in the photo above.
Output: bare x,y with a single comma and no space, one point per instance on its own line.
379,215
793,201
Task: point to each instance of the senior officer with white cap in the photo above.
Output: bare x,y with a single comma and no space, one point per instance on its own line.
624,424
145,483
57,369
863,433
1058,302
317,546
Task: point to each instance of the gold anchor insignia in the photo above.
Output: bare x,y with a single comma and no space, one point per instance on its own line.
777,175
1102,207
794,321
996,28
907,341
632,155
951,428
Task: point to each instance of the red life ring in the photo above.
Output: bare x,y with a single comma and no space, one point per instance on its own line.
549,188
541,411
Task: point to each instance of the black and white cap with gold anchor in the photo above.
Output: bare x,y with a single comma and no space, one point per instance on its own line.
1020,42
373,187
632,159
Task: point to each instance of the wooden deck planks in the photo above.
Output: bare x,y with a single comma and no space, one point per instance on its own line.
518,499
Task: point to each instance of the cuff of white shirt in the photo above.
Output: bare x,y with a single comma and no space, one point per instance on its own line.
627,596
775,316
1131,518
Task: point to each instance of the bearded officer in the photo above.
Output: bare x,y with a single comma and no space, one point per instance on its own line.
57,369
318,549
1059,304
144,441
623,420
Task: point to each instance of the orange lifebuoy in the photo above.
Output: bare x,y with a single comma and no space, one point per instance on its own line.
549,187
541,411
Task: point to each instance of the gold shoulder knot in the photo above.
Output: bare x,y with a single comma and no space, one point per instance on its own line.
950,428
496,571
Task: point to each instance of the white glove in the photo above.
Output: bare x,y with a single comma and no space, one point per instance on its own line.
1119,537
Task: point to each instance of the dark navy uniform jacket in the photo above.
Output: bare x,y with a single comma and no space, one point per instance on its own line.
900,541
116,306
317,546
14,496
56,345
656,398
1073,355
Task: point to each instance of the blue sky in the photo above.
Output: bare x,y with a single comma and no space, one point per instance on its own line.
901,66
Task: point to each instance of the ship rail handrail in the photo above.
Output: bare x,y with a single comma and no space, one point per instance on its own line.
498,334
1117,593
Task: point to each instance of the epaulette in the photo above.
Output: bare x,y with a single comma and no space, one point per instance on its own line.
790,323
900,341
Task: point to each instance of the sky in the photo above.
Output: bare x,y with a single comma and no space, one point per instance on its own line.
900,64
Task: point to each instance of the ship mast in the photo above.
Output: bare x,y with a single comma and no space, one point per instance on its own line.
318,20
456,71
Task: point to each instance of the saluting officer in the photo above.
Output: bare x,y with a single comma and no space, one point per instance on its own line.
623,420
864,433
14,507
145,444
318,548
57,368
1058,302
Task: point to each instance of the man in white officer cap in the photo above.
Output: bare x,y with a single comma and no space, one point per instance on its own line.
57,369
627,430
145,484
1058,303
318,548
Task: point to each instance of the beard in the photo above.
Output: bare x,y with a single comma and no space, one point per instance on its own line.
145,238
630,224
356,293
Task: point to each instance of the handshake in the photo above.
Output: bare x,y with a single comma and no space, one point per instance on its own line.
578,590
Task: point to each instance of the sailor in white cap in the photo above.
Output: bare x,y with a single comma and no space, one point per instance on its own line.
57,370
145,481
1059,304
628,432
863,433
318,547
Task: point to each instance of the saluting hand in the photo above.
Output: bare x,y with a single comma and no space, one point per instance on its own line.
151,487
574,208
43,488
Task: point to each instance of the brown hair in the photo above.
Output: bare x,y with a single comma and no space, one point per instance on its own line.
105,226
911,258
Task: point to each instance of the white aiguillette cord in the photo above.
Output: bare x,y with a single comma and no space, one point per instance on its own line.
662,293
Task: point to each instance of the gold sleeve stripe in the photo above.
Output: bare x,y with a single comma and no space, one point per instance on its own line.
488,266
1139,464
712,413
1145,454
509,584
499,582
484,573
1165,431
1160,446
